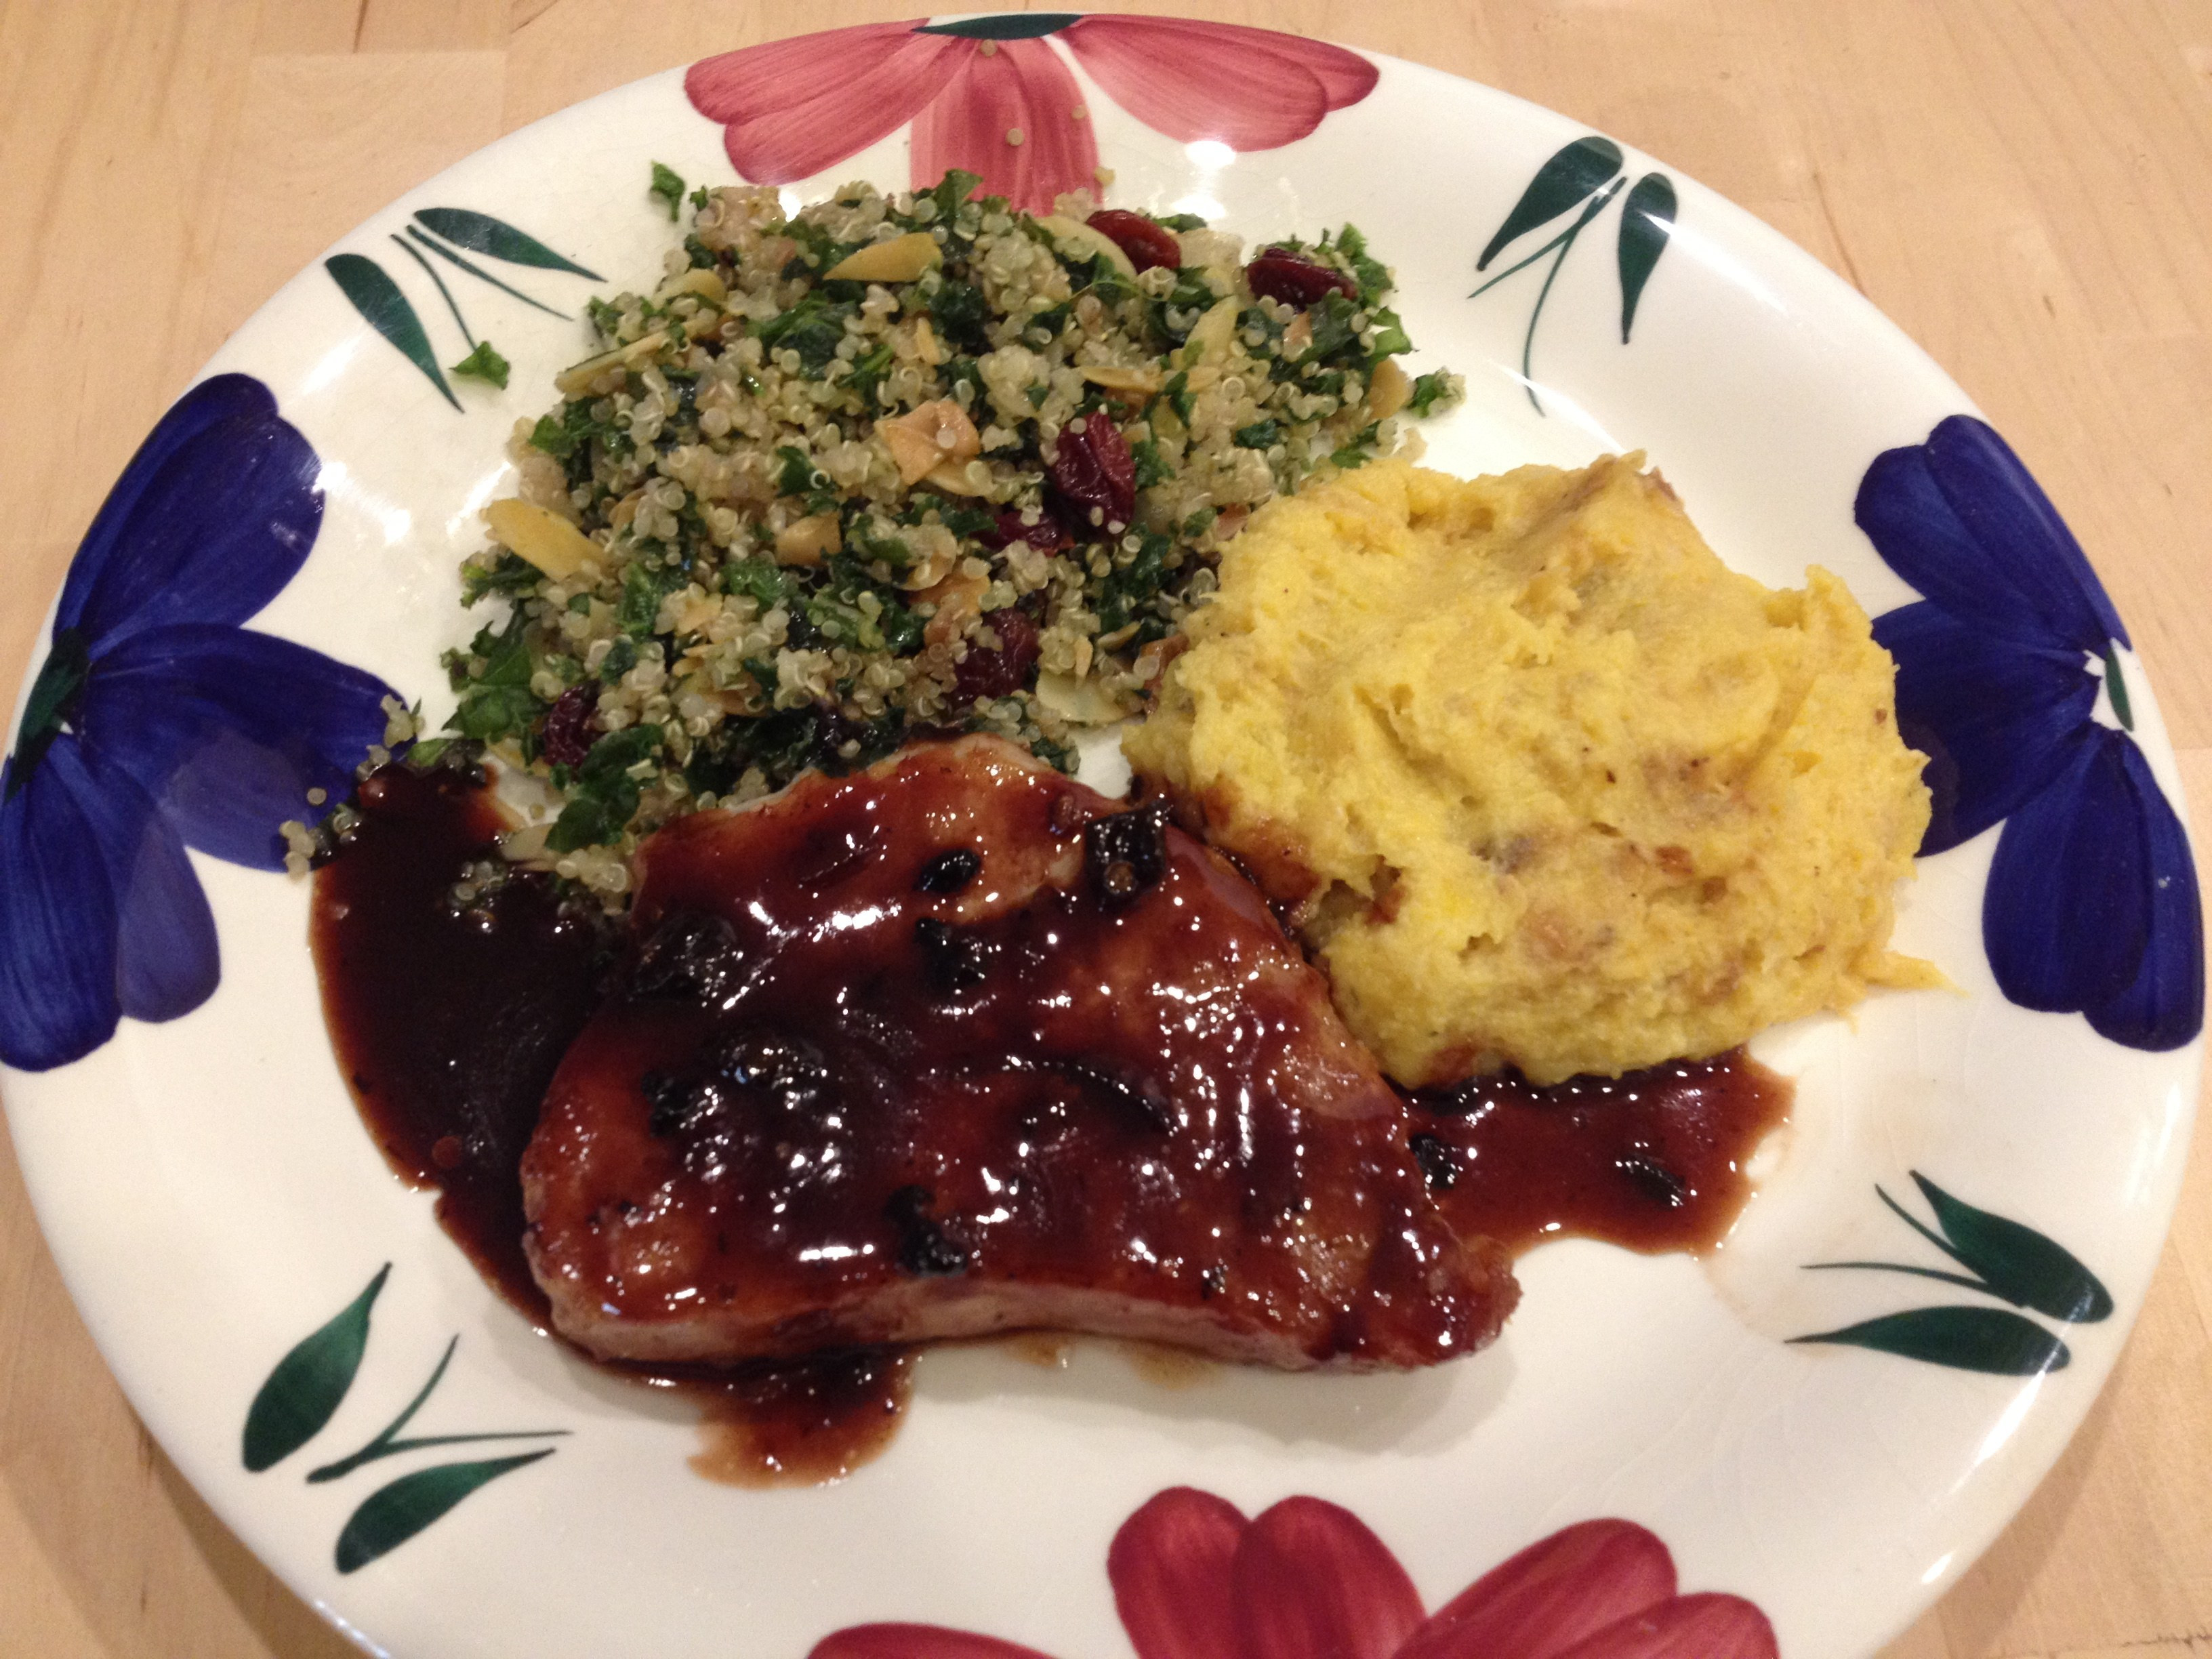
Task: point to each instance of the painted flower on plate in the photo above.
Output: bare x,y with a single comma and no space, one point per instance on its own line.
157,722
992,96
2003,669
1194,1579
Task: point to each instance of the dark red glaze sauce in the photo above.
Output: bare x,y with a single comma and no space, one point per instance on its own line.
449,1021
1652,1161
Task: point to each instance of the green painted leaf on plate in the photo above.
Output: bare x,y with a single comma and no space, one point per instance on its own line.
2017,1262
480,232
1966,1338
1006,26
1647,219
308,1382
391,1515
1570,177
387,310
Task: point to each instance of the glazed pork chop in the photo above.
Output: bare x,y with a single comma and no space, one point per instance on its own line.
956,1045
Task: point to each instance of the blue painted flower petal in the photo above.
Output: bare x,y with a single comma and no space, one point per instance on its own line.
1994,718
1961,520
58,1000
2163,1005
2092,902
214,515
167,962
229,730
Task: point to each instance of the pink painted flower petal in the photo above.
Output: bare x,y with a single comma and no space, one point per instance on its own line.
1169,1566
1025,88
1250,88
1551,1596
790,108
915,1642
1313,1583
1688,1627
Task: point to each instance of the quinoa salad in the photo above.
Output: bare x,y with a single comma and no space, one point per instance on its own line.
894,466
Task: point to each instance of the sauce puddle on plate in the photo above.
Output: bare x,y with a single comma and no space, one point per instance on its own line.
450,1007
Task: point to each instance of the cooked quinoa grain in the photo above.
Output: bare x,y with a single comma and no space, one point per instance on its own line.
894,465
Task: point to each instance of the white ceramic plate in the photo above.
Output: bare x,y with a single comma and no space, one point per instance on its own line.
212,1198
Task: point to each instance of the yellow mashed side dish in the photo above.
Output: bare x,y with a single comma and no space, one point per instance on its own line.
1550,785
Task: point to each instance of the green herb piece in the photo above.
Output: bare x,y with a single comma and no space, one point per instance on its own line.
499,703
1260,434
870,372
621,658
669,187
794,474
769,585
509,575
483,364
1390,336
1429,391
1177,392
1181,221
643,588
603,796
1152,469
1373,279
812,328
958,312
1360,450
1132,586
952,190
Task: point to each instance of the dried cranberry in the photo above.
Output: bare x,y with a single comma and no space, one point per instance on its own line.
568,735
1093,470
1046,535
1146,242
1282,274
995,673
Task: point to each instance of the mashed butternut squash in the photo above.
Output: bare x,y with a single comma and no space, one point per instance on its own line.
1549,785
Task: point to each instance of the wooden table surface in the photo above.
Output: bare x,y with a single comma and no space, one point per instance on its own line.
2026,188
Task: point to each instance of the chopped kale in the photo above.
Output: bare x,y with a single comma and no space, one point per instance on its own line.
794,472
510,574
769,585
812,328
1152,469
1260,434
644,586
603,797
483,364
498,702
668,186
1429,391
958,312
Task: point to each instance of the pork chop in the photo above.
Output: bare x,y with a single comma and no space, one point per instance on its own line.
956,1045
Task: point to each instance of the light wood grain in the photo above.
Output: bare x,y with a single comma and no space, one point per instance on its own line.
2023,187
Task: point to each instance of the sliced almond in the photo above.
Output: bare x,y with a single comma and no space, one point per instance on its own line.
952,477
925,348
959,600
1138,382
1387,389
1211,336
579,377
1084,702
702,280
809,540
546,539
936,553
930,437
899,260
699,609
1080,241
